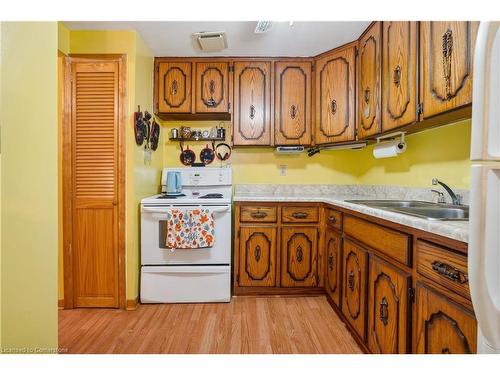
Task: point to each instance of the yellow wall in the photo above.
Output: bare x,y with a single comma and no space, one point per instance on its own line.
261,165
441,152
29,185
141,179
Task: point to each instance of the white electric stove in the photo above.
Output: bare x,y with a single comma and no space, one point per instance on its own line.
187,275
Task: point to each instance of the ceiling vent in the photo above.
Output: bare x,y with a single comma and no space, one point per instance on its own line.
262,27
211,41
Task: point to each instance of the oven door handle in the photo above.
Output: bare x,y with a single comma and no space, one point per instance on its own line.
156,211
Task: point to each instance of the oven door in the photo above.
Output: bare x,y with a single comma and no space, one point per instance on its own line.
153,232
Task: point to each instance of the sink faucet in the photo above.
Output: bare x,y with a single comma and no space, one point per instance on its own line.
455,198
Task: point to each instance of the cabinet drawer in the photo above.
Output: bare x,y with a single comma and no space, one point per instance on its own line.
444,267
333,218
258,214
299,214
387,241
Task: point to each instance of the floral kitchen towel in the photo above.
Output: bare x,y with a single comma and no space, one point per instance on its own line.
190,229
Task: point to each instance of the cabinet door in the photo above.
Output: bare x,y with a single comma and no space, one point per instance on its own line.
369,68
399,74
174,87
335,90
446,51
252,103
333,242
292,103
354,287
212,87
299,257
257,256
387,308
443,327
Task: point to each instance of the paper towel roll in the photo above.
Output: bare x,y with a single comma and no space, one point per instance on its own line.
388,149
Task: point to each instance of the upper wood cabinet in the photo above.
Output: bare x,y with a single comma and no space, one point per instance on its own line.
443,327
335,100
252,103
446,55
212,87
387,308
399,74
354,286
369,81
292,102
299,256
257,256
174,87
333,246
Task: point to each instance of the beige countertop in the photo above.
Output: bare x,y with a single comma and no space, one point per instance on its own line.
457,230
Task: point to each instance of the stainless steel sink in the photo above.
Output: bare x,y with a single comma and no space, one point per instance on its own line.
426,210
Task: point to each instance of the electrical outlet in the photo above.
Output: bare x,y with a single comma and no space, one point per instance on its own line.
283,169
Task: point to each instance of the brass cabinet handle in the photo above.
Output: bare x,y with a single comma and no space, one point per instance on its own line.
330,262
333,106
299,254
300,215
258,214
256,253
384,311
174,87
366,96
293,111
350,280
450,272
396,77
332,219
252,112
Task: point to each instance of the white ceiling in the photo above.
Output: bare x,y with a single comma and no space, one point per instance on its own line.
175,38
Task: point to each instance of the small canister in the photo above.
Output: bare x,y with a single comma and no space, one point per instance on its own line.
174,133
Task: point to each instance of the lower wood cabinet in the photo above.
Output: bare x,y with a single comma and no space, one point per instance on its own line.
299,256
257,262
443,326
354,286
333,247
388,317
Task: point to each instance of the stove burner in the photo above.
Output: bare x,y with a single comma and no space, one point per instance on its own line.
167,196
212,196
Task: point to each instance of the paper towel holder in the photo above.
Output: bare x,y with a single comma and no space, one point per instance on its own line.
392,136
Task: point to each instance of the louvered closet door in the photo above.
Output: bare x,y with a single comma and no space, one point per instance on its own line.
95,183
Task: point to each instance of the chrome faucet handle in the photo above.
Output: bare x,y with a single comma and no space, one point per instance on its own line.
459,199
435,181
440,196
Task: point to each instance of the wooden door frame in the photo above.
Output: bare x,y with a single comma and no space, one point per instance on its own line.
66,174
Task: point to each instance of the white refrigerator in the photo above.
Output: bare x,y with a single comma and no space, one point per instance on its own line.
484,225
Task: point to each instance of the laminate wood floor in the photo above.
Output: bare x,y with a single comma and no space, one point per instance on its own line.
246,325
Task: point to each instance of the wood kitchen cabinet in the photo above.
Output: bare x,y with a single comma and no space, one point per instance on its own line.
354,286
335,96
212,87
388,307
446,59
299,256
174,87
292,102
369,81
333,248
252,103
257,256
399,74
442,325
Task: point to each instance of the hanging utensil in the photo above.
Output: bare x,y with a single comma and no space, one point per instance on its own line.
188,156
154,137
207,155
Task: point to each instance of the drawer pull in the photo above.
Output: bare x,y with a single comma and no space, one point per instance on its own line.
258,214
384,311
350,280
257,253
300,215
450,272
330,262
332,219
299,254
